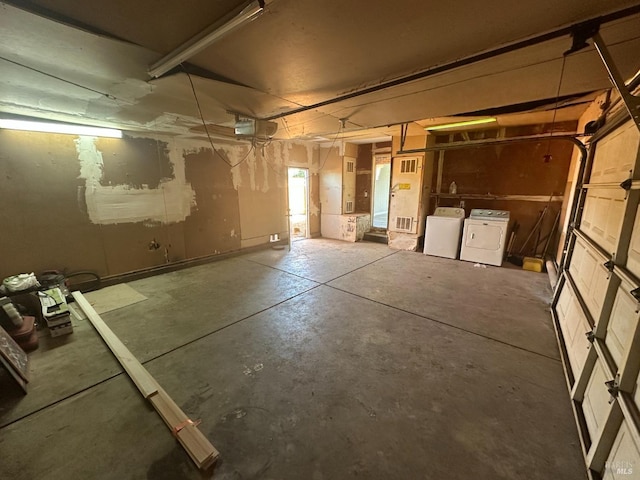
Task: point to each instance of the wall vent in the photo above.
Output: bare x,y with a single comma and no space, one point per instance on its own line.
404,223
348,206
409,165
350,166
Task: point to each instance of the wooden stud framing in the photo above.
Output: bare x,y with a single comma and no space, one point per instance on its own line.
199,449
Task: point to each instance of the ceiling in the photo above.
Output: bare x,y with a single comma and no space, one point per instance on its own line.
87,62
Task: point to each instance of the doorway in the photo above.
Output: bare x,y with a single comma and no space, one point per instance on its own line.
381,186
298,203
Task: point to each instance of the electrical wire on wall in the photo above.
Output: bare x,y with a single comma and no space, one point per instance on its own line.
206,129
286,127
342,122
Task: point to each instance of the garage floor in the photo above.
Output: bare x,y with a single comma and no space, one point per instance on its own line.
334,361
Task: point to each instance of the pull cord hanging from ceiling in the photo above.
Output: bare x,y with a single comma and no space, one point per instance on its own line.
206,129
547,156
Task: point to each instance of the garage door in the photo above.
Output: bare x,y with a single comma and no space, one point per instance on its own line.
597,303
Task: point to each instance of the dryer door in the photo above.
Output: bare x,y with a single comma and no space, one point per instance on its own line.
483,235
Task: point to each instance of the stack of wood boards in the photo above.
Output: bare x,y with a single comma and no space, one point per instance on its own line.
200,450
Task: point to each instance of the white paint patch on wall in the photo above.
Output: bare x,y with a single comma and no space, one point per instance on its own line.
273,161
265,174
314,209
236,154
106,205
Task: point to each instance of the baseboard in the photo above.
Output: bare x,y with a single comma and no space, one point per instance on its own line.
169,267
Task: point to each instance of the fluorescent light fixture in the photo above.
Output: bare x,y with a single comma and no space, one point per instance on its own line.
205,38
467,123
65,128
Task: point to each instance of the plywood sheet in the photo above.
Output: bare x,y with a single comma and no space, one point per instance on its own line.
112,298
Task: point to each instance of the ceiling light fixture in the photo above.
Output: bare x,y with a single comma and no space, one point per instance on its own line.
466,123
205,38
64,128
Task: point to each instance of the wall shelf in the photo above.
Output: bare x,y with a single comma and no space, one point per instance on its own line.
489,196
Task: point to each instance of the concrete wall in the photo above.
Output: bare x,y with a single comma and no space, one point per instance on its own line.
83,203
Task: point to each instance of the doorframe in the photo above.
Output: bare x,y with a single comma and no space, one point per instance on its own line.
307,233
373,189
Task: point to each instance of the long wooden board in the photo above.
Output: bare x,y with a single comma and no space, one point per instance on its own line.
200,450
140,376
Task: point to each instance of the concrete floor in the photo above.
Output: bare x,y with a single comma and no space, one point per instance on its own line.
334,361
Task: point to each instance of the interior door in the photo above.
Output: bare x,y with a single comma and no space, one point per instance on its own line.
381,186
298,202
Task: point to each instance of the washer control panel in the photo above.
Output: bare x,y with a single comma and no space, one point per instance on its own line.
449,212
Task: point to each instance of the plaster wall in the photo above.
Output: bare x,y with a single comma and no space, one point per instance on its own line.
114,206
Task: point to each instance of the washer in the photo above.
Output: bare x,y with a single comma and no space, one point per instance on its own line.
442,235
485,236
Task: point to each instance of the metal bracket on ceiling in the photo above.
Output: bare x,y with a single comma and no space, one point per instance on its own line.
581,34
631,102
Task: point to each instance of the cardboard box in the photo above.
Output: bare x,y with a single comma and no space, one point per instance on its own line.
60,330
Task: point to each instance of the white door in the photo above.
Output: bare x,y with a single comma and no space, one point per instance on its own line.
380,197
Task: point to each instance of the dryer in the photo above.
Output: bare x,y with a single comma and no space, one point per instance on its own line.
442,234
485,236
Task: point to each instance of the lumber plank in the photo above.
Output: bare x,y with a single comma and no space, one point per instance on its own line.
139,375
201,451
197,446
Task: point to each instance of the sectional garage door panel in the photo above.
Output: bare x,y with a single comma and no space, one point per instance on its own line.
599,295
574,326
615,156
622,324
636,394
633,260
624,460
596,400
602,217
591,277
